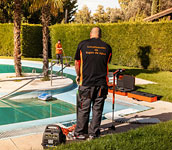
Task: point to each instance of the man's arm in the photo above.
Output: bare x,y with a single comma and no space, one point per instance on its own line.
110,53
77,63
77,69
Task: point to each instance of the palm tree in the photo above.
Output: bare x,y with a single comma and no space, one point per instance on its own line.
47,7
17,26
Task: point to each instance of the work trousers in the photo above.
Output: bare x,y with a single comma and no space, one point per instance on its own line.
90,96
59,57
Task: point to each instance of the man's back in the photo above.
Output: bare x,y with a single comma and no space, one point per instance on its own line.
58,48
91,65
94,55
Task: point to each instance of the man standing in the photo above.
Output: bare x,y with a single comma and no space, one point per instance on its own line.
91,65
59,52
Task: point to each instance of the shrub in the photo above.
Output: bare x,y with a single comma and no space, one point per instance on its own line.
6,40
136,44
31,41
144,45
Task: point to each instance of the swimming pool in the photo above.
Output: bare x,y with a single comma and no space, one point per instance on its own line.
32,109
31,112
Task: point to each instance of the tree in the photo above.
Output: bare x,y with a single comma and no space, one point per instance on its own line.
70,6
116,15
142,8
100,16
17,25
47,7
154,9
124,4
138,9
6,11
83,16
34,17
163,5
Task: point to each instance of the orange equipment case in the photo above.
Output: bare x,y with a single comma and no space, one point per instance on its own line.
110,90
118,92
143,96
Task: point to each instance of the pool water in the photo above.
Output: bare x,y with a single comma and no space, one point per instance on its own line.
10,69
14,111
62,108
25,69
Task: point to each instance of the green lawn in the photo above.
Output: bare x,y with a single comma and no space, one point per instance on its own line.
162,78
153,137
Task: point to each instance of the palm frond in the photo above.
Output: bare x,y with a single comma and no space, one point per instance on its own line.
56,6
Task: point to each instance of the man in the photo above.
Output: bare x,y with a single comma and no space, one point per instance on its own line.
59,52
91,65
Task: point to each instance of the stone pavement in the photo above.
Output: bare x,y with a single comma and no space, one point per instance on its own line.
9,83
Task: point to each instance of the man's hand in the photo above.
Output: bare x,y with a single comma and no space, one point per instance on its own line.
77,79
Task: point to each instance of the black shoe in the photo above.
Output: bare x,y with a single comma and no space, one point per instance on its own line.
80,137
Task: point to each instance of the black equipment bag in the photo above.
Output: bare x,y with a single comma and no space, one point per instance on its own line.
126,83
53,136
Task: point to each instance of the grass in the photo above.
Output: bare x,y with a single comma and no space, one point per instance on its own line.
162,78
154,137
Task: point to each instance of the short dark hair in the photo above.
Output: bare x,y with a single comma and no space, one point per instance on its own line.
59,40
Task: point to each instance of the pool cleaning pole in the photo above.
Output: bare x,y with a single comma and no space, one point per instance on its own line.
115,75
51,73
113,101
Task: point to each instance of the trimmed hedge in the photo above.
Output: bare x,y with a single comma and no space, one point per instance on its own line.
31,40
146,45
6,40
70,36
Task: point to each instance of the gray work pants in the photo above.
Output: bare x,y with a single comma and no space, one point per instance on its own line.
87,95
59,57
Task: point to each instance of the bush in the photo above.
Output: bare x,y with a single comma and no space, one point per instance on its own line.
31,41
70,36
143,45
6,40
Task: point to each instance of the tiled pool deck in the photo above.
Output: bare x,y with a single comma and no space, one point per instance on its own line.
32,140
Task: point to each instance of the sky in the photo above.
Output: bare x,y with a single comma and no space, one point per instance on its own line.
92,4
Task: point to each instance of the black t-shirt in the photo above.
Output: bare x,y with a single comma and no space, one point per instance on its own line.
94,55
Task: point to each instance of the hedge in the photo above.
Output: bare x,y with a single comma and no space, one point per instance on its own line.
146,45
6,40
70,36
31,40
